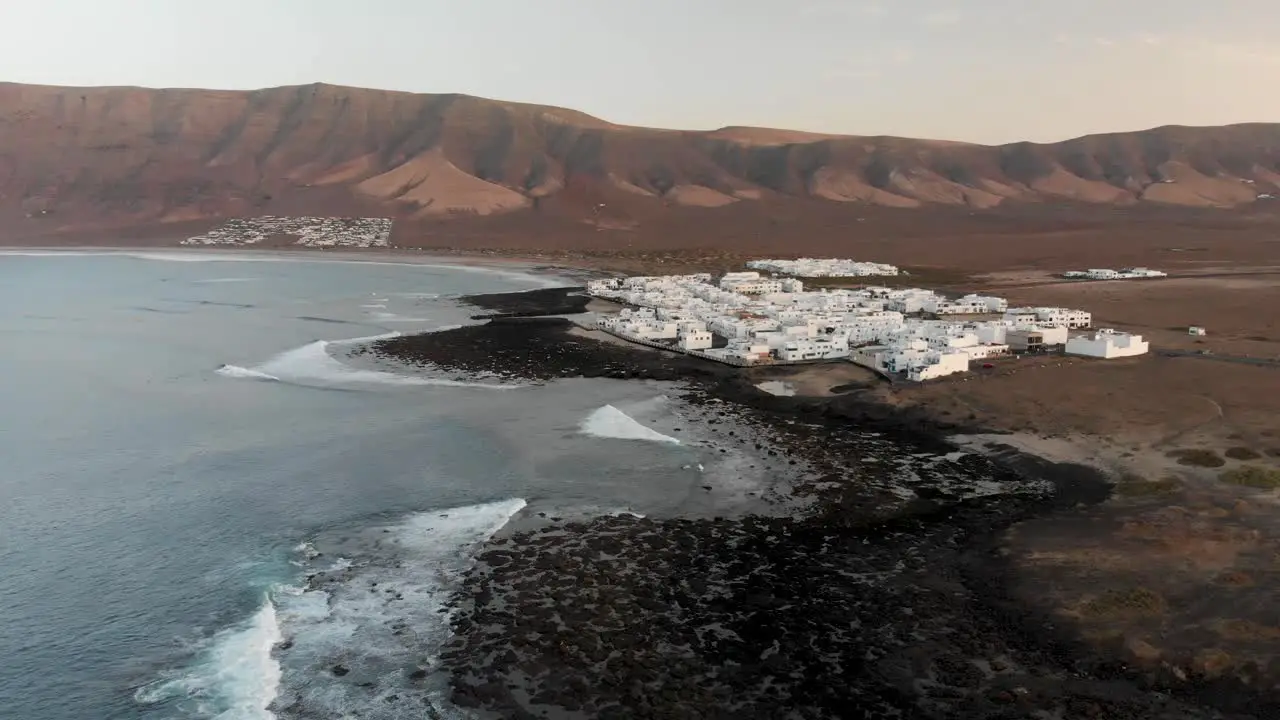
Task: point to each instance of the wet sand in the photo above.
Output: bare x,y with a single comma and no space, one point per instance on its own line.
885,590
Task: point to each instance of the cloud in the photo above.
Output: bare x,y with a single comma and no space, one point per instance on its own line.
941,17
1104,42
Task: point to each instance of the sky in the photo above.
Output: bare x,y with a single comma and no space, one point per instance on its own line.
987,71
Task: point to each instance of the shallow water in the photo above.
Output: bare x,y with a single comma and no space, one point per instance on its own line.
186,441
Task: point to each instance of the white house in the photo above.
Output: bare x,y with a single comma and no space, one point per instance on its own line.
981,352
695,339
939,364
1107,343
992,303
748,351
904,356
1066,317
812,349
967,305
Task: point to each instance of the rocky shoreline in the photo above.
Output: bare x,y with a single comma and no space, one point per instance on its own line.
887,598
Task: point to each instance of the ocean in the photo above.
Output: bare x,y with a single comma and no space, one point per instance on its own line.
210,509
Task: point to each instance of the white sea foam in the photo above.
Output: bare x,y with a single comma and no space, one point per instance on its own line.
374,306
312,364
381,617
610,422
392,317
235,371
367,338
234,678
777,387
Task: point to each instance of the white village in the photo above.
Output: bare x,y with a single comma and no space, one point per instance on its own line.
748,318
314,232
1134,273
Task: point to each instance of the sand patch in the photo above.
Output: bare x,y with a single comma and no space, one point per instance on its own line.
699,196
1192,188
834,184
438,187
1064,184
768,136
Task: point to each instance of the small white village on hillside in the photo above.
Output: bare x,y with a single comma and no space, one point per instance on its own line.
316,232
746,318
1135,273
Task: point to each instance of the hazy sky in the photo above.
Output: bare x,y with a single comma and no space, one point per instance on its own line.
980,70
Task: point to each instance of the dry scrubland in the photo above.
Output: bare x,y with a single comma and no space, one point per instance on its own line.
1180,567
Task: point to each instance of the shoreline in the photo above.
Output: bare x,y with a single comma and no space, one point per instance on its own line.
531,262
509,662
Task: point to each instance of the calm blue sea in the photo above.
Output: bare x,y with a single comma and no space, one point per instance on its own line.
185,443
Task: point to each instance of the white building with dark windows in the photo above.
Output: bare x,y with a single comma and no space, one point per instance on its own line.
1051,316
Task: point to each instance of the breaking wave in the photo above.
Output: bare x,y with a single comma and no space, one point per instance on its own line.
234,678
235,371
392,317
312,364
383,618
610,422
246,671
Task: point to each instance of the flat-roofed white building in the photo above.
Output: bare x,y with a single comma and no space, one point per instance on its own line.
748,351
982,352
1066,317
939,364
695,339
812,349
1107,343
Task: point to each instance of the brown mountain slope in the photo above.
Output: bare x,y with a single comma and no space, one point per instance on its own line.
90,157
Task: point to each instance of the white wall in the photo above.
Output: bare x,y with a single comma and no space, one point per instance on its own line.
1108,345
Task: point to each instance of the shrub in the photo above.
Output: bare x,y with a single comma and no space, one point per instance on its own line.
1252,476
1198,458
1242,453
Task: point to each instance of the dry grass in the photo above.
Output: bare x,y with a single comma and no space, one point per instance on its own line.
1252,476
1234,578
1245,630
1133,602
1136,486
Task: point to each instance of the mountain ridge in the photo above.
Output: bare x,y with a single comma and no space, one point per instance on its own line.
75,157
